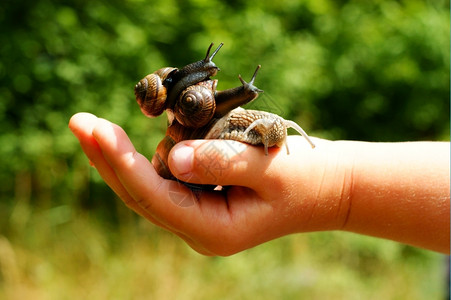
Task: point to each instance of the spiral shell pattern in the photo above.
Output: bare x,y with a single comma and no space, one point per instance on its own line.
196,105
151,93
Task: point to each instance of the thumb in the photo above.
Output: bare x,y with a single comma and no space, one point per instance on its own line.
219,162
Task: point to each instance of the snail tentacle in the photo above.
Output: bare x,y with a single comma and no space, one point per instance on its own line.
208,58
250,85
295,126
230,99
192,74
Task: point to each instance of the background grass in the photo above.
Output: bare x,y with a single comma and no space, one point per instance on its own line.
84,259
374,70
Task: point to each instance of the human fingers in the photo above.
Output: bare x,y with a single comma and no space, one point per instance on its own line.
169,202
226,162
82,125
214,162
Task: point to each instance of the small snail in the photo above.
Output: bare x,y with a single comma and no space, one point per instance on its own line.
151,93
255,127
196,110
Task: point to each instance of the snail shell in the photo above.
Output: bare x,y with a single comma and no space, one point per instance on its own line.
151,93
255,127
196,104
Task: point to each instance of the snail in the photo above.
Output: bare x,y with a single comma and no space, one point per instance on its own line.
151,93
255,127
197,110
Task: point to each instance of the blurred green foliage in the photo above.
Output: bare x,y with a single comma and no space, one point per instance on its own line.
376,71
365,70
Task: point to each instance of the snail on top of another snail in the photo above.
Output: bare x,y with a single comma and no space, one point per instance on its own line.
196,110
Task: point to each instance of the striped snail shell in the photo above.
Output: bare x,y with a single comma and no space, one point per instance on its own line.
151,93
196,104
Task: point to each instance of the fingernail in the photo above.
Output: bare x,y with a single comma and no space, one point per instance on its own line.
183,160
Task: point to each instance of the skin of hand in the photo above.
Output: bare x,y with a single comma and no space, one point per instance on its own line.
397,191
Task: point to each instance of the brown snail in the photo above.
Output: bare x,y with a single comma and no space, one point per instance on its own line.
151,93
197,110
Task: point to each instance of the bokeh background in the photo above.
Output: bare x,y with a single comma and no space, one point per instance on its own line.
364,70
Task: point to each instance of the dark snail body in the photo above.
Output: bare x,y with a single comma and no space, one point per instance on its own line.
192,74
197,110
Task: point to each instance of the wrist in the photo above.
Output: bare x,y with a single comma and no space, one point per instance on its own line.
324,185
